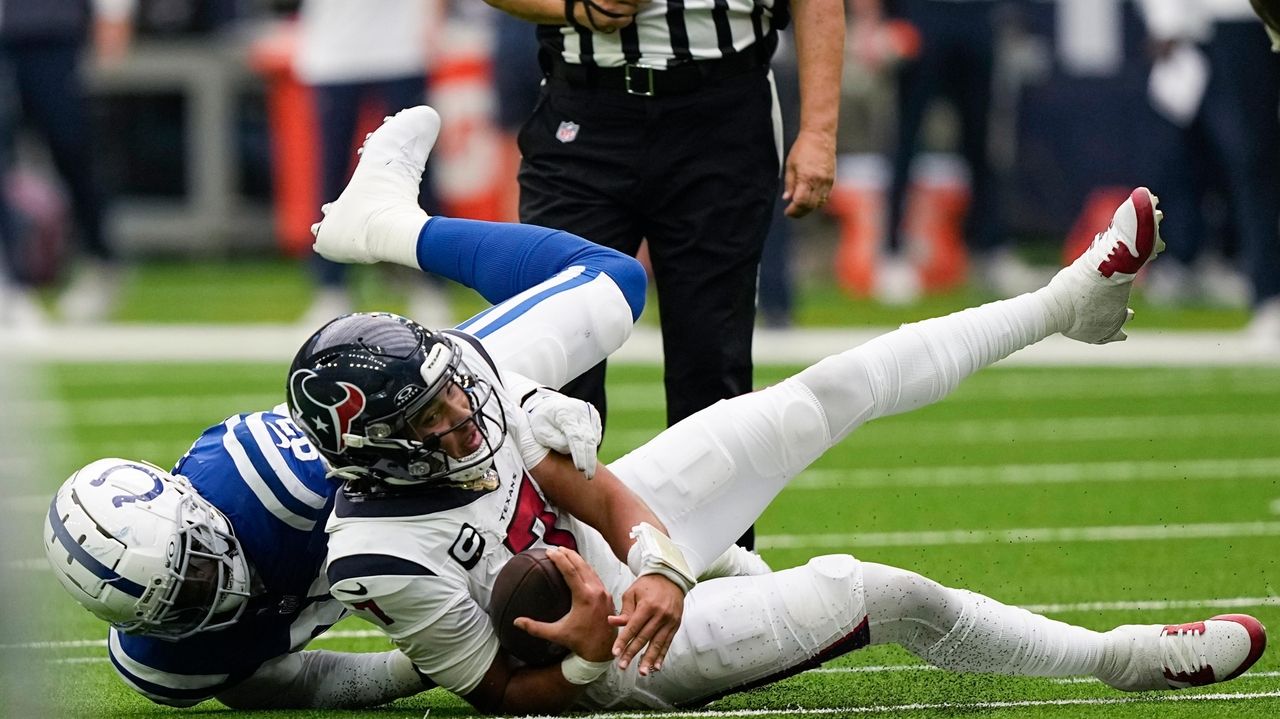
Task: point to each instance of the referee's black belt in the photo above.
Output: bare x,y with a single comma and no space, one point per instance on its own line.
646,81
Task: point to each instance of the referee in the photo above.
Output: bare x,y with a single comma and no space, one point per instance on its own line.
658,120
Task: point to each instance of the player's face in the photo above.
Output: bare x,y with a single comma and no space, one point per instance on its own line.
448,420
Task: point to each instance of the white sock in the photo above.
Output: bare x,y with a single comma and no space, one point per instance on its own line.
966,632
393,234
997,638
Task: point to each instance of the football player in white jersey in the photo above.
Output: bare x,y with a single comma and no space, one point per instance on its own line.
443,485
211,575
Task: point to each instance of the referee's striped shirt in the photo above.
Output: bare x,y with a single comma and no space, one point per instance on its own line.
668,32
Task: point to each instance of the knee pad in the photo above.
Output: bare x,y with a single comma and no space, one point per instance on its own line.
775,620
824,594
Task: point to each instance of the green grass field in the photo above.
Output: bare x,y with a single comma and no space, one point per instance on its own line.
1099,496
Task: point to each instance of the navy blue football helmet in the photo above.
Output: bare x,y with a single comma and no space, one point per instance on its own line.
356,384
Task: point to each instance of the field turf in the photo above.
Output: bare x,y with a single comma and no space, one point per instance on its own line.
1100,496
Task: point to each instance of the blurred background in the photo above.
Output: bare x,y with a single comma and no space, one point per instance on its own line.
980,142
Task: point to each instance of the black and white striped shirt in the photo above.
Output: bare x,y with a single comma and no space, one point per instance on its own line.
668,32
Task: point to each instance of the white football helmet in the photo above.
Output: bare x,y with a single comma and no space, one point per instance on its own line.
142,550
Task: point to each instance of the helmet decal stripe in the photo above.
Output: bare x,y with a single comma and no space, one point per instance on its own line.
78,553
348,409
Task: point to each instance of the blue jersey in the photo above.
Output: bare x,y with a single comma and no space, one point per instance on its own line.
261,472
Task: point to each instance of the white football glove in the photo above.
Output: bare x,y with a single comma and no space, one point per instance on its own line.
565,425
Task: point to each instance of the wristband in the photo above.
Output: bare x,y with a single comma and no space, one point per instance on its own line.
655,553
579,671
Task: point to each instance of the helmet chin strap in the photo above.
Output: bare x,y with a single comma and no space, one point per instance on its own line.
481,476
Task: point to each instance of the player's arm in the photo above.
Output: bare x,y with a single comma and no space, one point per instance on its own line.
653,606
811,164
607,16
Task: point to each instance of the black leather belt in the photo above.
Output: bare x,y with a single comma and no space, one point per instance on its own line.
647,81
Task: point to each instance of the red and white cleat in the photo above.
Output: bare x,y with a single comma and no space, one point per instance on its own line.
1146,657
1095,288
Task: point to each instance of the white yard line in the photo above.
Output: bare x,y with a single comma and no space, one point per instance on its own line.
1025,535
959,537
1164,470
938,706
1104,426
1158,428
1122,605
278,343
1168,470
203,409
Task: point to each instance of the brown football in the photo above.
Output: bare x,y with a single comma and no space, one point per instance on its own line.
529,585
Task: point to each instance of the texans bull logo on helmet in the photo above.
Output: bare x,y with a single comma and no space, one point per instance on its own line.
328,408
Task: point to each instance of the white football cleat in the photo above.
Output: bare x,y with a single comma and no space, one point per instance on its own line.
1095,288
377,217
1145,657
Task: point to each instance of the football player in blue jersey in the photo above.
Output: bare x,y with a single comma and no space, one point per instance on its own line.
211,574
444,482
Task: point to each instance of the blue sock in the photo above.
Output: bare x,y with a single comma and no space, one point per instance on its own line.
501,259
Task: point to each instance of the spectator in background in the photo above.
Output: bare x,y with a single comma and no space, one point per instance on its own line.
41,85
1215,90
677,140
516,81
956,60
355,55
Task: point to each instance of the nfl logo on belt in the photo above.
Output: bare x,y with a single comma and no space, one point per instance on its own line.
567,132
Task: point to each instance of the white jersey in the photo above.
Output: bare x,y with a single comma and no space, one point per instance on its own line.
421,564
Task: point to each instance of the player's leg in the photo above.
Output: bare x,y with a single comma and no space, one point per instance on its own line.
741,632
564,303
967,632
327,680
734,457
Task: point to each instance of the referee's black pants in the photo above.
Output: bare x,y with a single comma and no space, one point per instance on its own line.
696,175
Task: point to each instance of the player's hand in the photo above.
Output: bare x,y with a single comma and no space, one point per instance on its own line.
811,170
652,608
566,425
585,630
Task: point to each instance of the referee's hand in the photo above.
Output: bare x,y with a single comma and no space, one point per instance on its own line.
811,170
607,16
